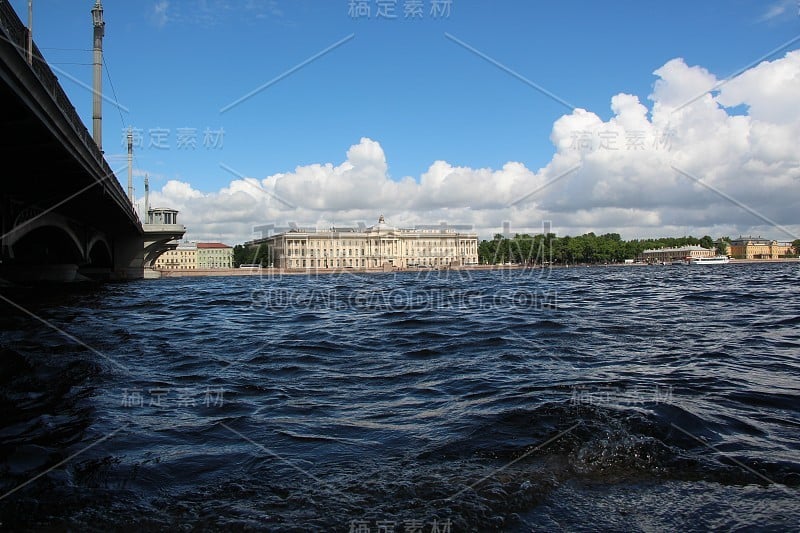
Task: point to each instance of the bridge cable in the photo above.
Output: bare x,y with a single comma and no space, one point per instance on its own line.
68,49
116,101
114,92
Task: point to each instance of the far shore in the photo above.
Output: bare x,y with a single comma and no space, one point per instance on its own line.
269,271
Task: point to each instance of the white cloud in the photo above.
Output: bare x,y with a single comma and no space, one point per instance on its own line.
738,174
207,13
159,14
778,9
679,84
770,90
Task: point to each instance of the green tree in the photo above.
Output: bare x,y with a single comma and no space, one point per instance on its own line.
488,250
484,252
587,248
239,255
257,254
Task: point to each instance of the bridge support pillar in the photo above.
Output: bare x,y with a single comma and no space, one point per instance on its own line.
128,259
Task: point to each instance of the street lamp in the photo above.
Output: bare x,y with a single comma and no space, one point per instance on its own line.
97,110
97,15
30,32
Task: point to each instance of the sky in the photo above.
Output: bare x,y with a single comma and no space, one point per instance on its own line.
641,118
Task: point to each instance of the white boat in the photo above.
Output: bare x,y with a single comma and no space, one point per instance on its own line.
716,260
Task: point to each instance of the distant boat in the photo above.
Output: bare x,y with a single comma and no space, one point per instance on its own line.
716,260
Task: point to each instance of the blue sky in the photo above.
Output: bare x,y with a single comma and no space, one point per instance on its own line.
417,86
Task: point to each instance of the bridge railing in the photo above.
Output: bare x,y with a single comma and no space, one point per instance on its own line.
17,34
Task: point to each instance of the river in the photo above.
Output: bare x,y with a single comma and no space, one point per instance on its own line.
574,399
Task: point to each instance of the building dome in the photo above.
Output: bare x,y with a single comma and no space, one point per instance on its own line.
381,226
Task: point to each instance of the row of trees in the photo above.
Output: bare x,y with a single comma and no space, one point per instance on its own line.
251,255
587,248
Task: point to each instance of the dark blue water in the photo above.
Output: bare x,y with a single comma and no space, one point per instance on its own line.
613,398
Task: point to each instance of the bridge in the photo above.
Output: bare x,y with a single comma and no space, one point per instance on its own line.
63,213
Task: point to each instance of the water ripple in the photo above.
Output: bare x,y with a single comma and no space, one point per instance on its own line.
491,400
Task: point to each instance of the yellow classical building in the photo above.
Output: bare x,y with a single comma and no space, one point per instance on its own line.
183,257
759,248
196,255
379,246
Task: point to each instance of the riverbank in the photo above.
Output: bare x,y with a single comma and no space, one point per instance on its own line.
269,272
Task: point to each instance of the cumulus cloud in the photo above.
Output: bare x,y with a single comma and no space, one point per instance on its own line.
686,163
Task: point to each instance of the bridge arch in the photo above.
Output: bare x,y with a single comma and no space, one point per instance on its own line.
153,249
29,221
45,244
98,252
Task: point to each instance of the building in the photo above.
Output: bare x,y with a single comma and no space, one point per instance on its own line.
659,255
196,256
183,257
212,255
162,215
379,246
759,248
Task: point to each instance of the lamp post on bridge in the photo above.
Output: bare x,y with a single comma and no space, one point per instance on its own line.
130,165
97,108
30,32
